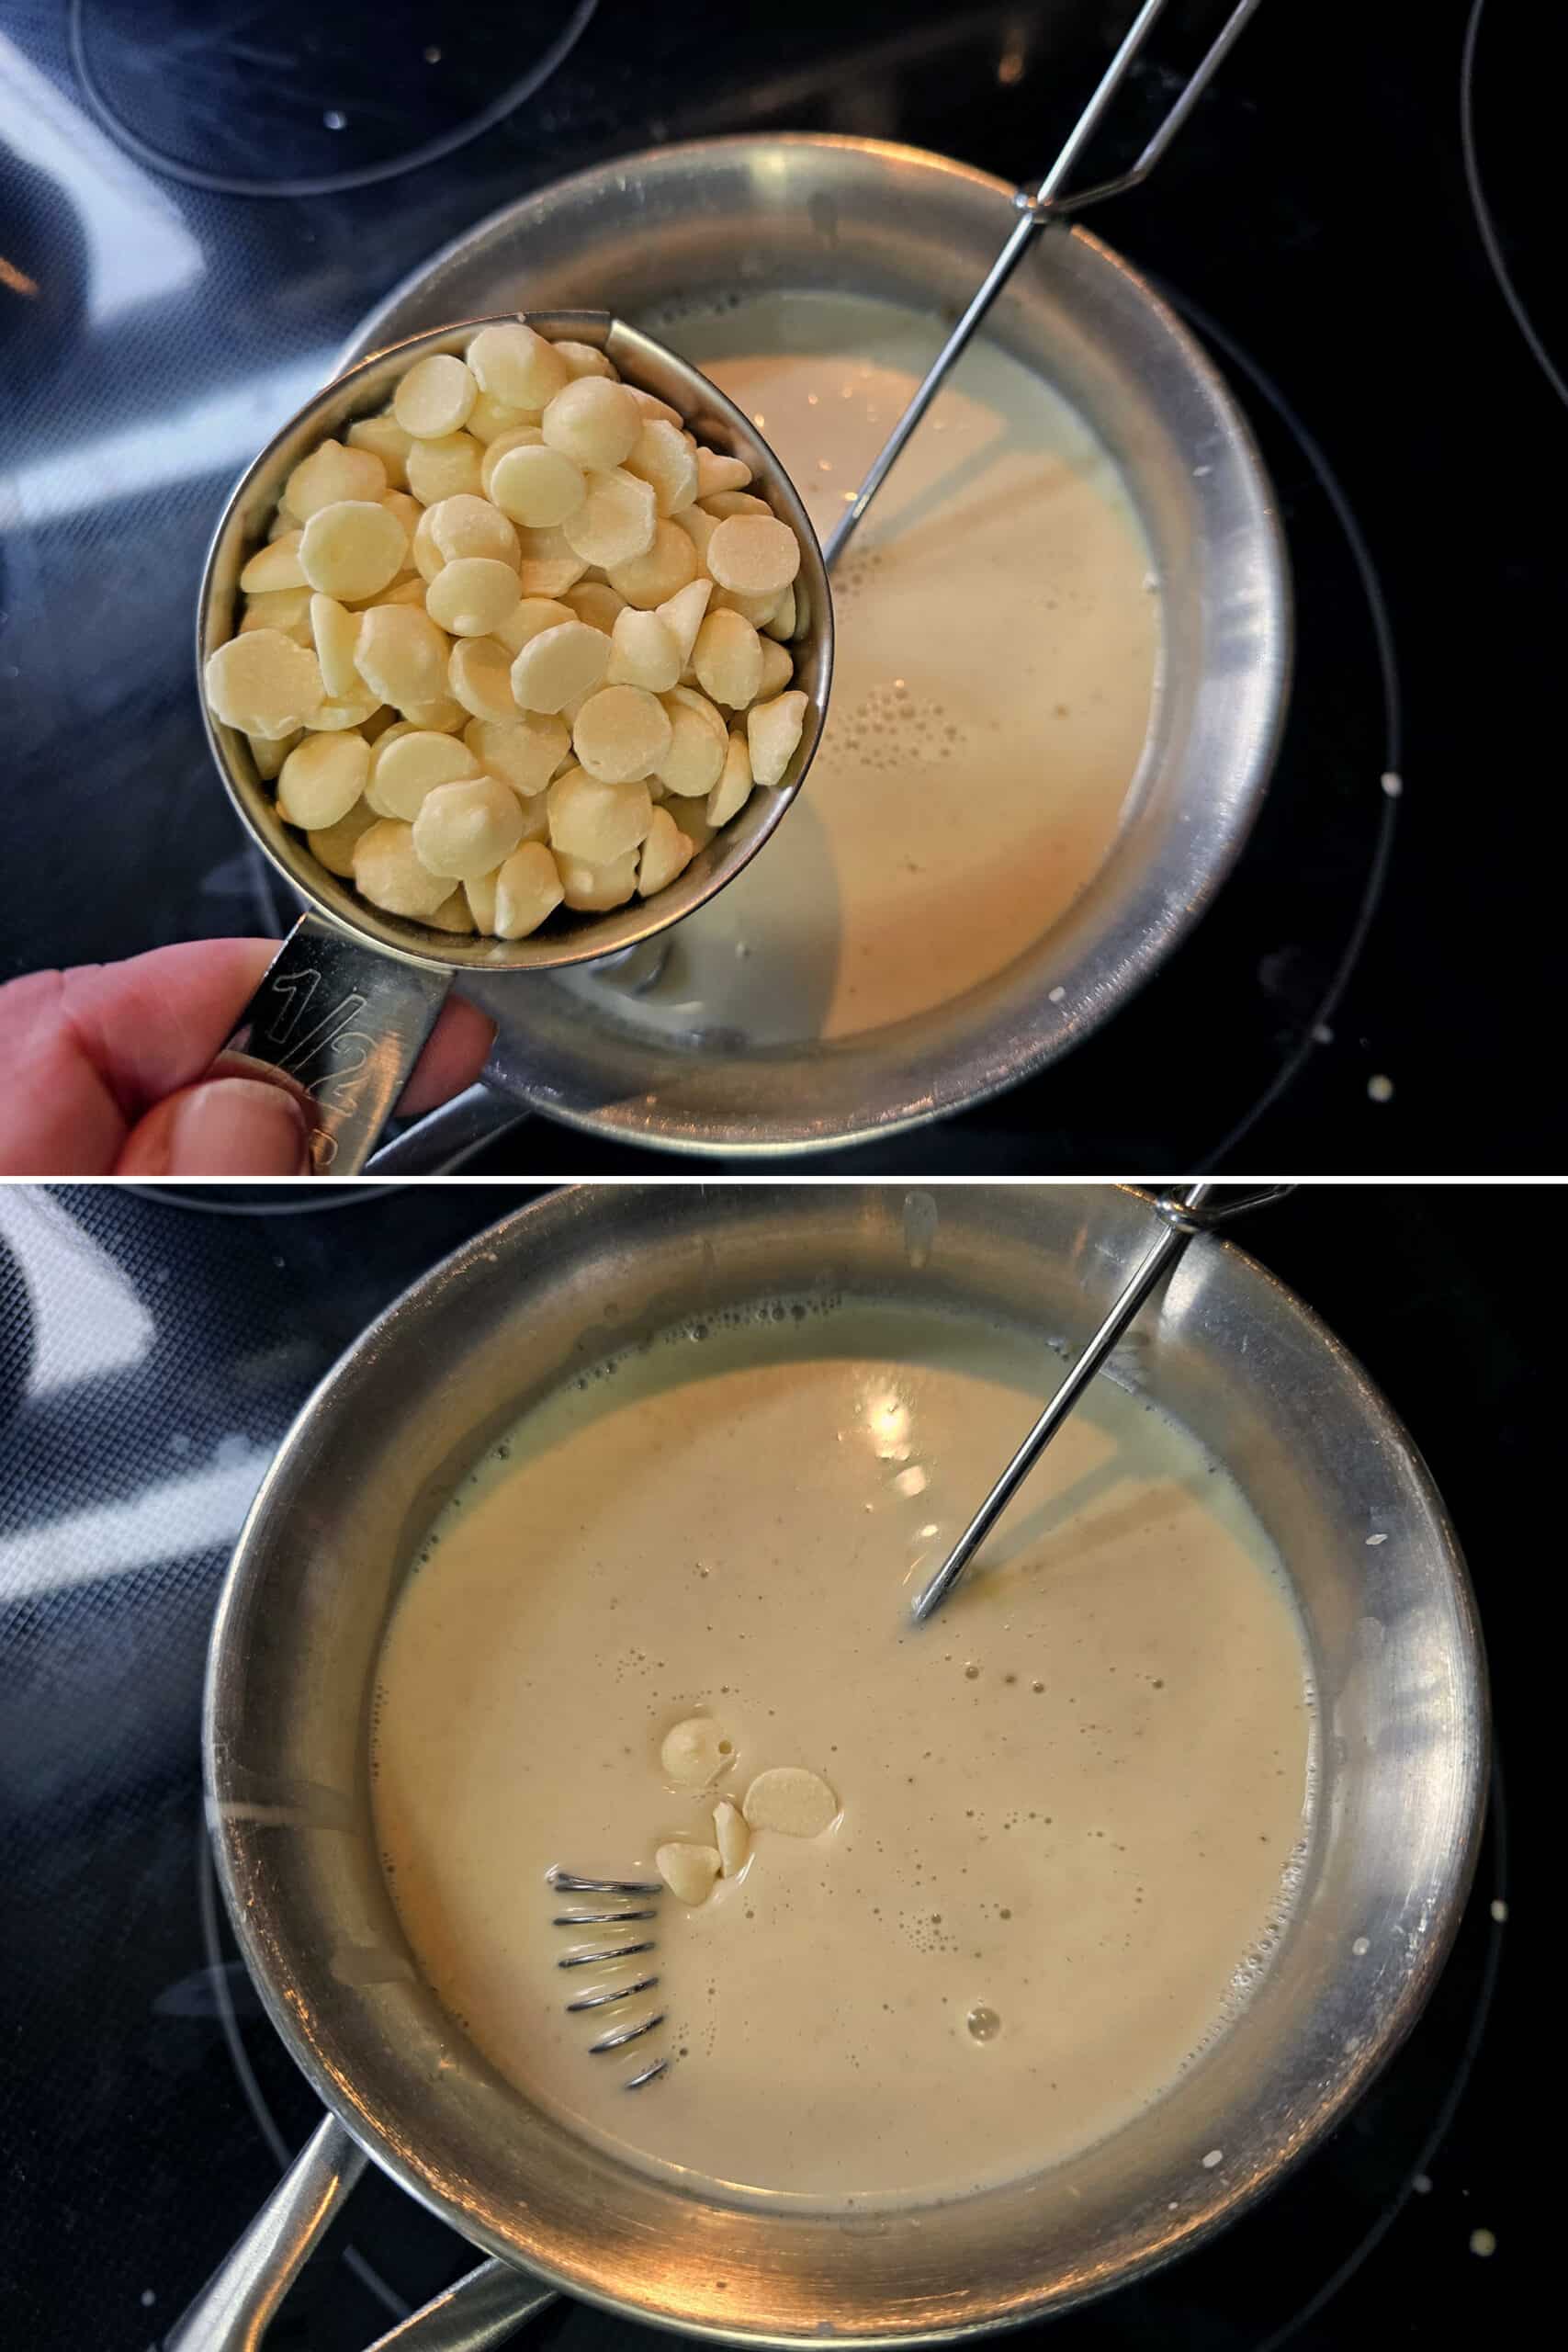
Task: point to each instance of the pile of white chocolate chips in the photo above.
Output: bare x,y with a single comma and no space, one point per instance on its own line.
522,642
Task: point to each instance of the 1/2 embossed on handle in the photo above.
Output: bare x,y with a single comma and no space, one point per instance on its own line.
347,1024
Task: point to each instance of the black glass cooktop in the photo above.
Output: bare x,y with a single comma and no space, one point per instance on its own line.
199,203
151,1353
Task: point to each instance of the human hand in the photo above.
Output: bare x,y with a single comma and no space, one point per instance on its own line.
107,1069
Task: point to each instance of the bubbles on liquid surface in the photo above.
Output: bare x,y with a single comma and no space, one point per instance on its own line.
984,2023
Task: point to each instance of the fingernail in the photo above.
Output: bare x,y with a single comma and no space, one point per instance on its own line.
238,1126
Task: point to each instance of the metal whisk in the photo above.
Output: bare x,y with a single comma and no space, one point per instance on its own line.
1183,1215
627,1902
1050,201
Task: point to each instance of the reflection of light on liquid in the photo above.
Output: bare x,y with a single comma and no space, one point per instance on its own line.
887,1424
912,1482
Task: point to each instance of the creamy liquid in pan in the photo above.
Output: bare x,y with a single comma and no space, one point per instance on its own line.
996,639
1073,1808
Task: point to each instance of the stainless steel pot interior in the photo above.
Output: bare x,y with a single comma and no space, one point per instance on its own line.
662,235
361,390
558,1285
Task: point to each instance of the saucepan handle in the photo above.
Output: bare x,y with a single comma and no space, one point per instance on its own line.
347,1025
239,2302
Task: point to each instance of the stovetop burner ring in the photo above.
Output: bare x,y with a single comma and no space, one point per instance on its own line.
220,183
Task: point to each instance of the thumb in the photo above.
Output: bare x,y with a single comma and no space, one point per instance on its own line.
225,1126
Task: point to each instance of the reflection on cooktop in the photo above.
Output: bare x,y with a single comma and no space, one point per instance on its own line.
294,99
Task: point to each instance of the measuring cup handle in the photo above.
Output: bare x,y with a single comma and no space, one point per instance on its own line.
239,2302
347,1025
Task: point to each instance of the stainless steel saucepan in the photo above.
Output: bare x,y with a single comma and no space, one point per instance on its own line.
685,230
1402,1734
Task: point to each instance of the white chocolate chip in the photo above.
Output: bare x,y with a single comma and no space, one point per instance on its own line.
529,618
387,872
478,671
728,658
731,1837
287,610
524,752
473,596
772,731
408,589
594,821
758,610
593,422
699,742
794,1802
538,487
435,398
466,525
386,439
331,474
598,603
516,436
350,710
616,521
467,829
452,914
688,1872
782,623
717,473
661,571
683,614
551,565
723,503
405,767
441,715
527,887
489,418
620,734
335,633
450,468
559,666
321,779
594,889
695,1752
352,548
699,527
334,846
666,853
264,683
778,669
643,651
754,553
659,455
733,789
268,752
652,406
585,359
515,364
401,655
273,567
428,555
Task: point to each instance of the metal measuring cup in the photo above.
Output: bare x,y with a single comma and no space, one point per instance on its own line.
346,1007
